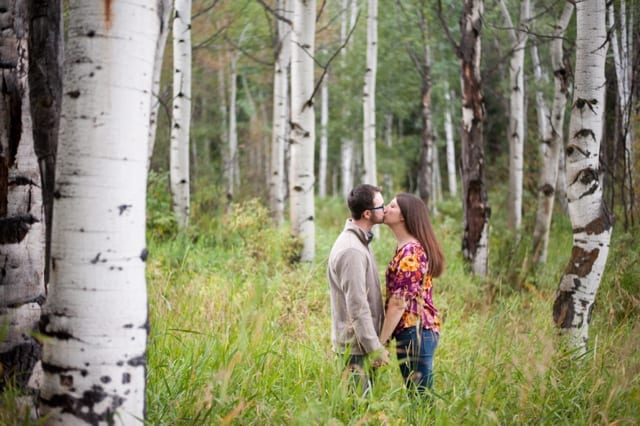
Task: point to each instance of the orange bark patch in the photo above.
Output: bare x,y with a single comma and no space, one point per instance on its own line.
108,18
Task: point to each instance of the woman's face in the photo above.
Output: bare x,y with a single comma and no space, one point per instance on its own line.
392,214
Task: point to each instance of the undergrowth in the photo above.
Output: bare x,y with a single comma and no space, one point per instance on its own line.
241,334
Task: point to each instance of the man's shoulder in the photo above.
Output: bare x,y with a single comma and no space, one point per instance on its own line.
346,242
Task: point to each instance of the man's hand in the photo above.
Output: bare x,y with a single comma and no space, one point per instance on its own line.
380,358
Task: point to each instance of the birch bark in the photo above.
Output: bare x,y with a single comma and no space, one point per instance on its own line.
164,11
551,128
22,220
181,112
302,208
369,96
95,319
589,216
347,145
324,142
519,38
280,112
475,243
451,150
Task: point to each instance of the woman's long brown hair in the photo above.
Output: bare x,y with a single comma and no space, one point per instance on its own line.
416,219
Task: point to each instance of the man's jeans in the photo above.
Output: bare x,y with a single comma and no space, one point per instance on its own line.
415,355
361,373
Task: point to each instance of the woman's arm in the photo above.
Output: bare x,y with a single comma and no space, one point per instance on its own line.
395,309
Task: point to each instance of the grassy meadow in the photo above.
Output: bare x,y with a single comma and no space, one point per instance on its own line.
241,334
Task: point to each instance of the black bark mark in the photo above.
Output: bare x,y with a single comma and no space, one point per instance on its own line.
581,261
13,229
84,407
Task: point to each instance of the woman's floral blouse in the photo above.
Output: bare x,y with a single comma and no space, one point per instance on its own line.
408,276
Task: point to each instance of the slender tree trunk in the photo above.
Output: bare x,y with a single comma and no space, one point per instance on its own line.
164,10
589,216
280,113
233,164
387,179
95,320
451,151
516,111
22,219
347,144
224,123
302,206
369,96
181,113
475,243
347,159
621,38
436,186
561,184
425,172
551,125
324,142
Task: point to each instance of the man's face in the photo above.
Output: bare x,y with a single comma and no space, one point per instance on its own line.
377,212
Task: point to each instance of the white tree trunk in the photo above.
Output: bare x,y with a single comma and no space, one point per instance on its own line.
164,10
589,217
324,142
347,144
346,163
301,185
451,150
95,319
369,96
387,179
516,111
181,112
280,113
224,121
436,181
551,125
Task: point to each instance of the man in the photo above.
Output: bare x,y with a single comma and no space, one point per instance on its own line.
356,299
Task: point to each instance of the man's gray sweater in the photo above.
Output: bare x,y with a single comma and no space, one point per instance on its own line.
356,300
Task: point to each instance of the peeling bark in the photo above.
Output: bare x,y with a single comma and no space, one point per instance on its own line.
590,219
475,199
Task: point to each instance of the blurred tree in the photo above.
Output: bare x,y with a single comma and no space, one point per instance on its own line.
551,133
518,37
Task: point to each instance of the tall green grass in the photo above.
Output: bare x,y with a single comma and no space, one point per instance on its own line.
241,335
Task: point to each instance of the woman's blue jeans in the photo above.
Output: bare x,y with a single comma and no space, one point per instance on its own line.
415,350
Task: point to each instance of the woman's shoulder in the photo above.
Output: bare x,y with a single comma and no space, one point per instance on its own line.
413,247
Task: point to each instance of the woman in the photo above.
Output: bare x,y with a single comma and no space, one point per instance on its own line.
411,317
